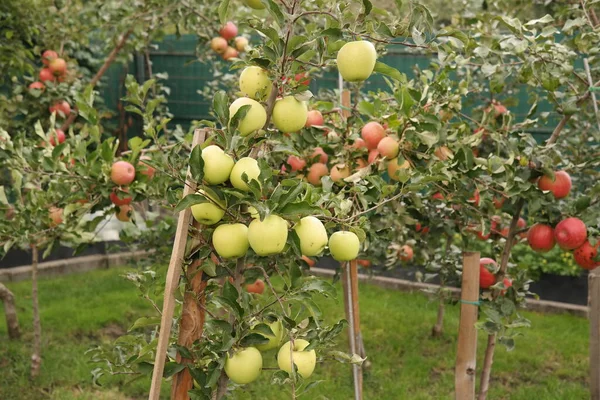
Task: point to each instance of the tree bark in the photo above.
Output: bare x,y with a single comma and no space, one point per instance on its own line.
438,328
10,311
36,357
487,367
191,326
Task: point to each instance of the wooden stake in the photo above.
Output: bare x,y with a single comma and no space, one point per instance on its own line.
191,326
346,104
172,282
350,287
594,316
359,345
466,355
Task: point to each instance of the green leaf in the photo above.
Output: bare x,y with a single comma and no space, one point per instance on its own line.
239,115
39,130
253,339
197,163
143,322
189,201
3,198
223,8
172,368
428,138
299,209
544,20
368,7
220,107
392,72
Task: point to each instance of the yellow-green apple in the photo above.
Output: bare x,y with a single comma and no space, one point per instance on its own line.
246,165
229,53
255,118
209,213
356,60
316,172
305,361
339,172
372,133
388,147
256,4
58,66
244,366
255,83
253,212
560,186
394,168
122,173
257,287
230,240
240,43
48,56
275,339
219,44
269,236
312,234
228,31
318,151
56,216
296,163
217,165
289,114
314,118
344,245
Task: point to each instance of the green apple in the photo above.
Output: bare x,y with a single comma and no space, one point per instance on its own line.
217,165
244,366
313,236
247,165
255,83
256,4
231,240
289,114
255,118
209,213
356,60
305,361
269,236
344,246
274,340
253,212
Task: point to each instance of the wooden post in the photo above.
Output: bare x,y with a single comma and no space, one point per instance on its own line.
360,347
172,281
466,354
191,326
594,316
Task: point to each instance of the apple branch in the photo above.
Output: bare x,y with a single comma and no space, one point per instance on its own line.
109,60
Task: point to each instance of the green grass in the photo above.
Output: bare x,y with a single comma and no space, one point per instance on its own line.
82,310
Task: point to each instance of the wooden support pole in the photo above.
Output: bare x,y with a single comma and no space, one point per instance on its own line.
466,354
360,347
594,317
172,281
350,288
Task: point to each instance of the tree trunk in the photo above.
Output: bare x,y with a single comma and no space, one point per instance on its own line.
12,323
36,357
190,329
487,367
438,328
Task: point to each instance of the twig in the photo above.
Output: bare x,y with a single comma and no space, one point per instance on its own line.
586,65
314,12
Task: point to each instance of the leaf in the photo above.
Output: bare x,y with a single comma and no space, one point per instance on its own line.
573,23
428,138
392,72
454,33
189,201
544,20
39,130
220,107
172,368
197,164
238,116
368,7
253,339
223,8
300,209
3,198
144,321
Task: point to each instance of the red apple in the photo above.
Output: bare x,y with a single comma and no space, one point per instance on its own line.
218,44
541,238
229,31
364,263
257,287
302,78
120,201
507,283
58,66
560,186
570,233
406,253
372,133
122,173
522,224
46,75
388,147
499,201
339,172
62,109
318,151
423,229
56,216
146,169
476,198
230,53
48,56
60,135
361,163
486,278
37,85
314,118
359,144
373,156
296,163
438,196
585,255
316,172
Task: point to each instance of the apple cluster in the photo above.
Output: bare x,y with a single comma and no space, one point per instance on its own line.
122,174
55,69
220,44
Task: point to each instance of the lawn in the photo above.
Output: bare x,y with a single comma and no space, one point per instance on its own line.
81,310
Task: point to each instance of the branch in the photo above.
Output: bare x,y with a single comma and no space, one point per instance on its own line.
315,12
